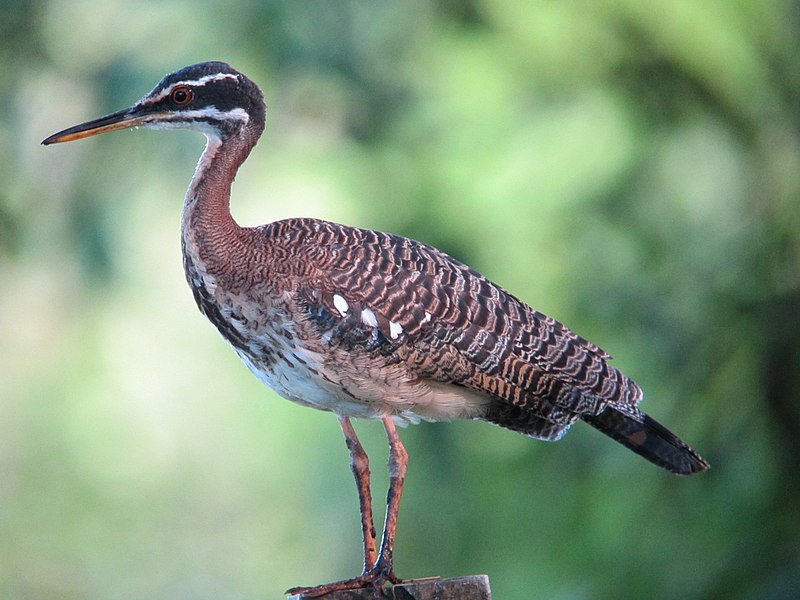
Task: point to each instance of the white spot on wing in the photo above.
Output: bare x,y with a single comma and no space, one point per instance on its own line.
368,318
428,317
340,304
395,329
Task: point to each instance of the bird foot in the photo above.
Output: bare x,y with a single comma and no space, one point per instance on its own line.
376,577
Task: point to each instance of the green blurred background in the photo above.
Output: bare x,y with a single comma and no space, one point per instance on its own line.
631,168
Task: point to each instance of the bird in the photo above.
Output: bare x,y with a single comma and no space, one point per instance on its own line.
371,325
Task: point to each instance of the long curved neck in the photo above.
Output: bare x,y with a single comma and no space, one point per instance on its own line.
209,233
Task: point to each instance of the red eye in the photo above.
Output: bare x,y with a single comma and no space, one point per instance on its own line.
181,95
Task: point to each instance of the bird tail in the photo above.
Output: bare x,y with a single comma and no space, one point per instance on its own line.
648,438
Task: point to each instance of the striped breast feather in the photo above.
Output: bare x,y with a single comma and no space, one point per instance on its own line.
448,322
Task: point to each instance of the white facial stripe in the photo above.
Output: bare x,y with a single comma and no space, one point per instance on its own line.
236,114
209,129
193,83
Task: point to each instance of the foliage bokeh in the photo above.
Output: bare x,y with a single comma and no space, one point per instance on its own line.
630,168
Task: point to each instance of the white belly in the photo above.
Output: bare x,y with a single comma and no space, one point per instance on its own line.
365,394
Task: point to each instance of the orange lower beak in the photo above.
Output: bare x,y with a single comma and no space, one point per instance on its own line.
124,119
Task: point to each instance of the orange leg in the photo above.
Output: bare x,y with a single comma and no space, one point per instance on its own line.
359,463
381,571
398,464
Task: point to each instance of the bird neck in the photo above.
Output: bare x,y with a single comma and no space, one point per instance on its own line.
209,232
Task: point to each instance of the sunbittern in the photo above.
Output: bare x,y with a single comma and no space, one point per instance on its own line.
372,325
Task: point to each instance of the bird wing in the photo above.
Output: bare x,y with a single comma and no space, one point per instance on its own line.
448,323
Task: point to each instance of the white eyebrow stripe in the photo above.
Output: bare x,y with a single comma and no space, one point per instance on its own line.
192,83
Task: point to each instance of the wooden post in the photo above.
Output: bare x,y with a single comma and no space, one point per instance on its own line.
472,587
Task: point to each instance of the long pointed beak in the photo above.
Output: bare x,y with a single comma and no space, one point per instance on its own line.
124,119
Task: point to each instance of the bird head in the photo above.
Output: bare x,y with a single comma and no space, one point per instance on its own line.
209,97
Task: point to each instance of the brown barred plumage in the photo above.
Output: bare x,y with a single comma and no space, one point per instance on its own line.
368,324
455,326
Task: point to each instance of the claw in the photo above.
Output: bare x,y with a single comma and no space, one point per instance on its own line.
376,577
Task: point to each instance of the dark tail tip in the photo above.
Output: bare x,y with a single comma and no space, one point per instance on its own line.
648,438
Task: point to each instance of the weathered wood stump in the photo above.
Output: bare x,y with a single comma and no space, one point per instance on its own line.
472,587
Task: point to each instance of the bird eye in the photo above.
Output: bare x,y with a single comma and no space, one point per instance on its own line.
181,95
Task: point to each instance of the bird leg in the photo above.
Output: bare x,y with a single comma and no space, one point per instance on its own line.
397,464
376,573
359,463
